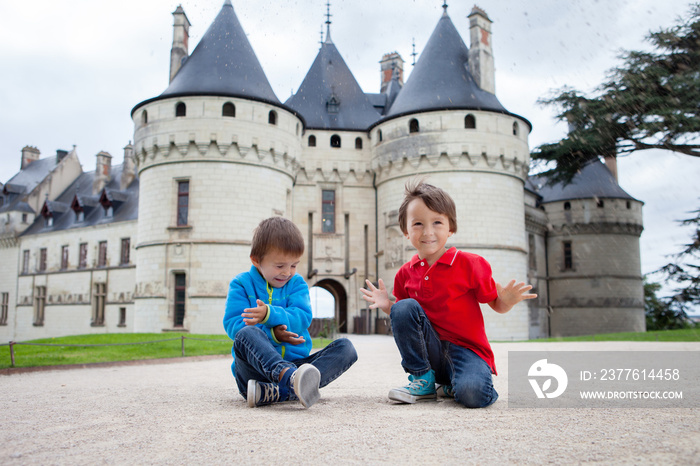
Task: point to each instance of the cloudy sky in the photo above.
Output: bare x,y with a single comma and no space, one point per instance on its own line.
73,70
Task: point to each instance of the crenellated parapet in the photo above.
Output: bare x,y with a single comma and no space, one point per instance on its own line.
329,171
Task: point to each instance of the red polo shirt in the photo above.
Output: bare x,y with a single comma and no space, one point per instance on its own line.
450,292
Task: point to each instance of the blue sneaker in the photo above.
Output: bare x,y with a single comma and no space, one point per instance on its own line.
446,391
420,388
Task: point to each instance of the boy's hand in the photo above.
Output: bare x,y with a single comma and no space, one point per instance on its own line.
510,295
377,297
255,315
283,336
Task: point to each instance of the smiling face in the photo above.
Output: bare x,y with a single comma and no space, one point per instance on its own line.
277,267
427,230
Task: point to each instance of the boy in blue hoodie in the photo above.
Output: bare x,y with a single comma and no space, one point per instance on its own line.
268,313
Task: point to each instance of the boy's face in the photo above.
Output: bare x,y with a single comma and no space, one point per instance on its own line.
277,267
427,230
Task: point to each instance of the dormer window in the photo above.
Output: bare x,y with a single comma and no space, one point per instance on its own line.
333,105
109,211
49,221
79,216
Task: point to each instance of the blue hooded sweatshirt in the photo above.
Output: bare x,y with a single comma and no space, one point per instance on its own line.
289,305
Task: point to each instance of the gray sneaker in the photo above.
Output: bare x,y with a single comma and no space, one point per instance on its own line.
261,393
305,383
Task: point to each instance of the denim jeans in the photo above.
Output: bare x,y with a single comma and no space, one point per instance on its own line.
421,350
257,358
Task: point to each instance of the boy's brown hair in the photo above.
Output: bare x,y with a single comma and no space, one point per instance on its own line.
434,198
276,233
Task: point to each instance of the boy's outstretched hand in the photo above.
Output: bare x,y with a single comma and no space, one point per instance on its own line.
510,295
255,315
283,336
377,297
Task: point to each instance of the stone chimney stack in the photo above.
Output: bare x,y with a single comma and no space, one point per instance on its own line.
389,63
128,167
29,154
181,35
481,64
103,168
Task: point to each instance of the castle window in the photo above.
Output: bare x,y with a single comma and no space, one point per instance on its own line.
98,304
42,260
180,288
333,105
629,205
79,216
183,200
328,211
470,122
25,261
122,317
358,143
381,136
312,141
180,109
567,205
144,117
516,129
272,117
335,141
568,255
599,203
102,254
49,221
24,216
4,305
64,257
126,248
531,253
413,126
228,110
109,211
82,258
39,305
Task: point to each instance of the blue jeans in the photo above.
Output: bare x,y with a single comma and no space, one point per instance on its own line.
257,358
421,350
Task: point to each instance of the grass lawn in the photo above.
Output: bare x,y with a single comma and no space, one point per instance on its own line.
123,347
690,334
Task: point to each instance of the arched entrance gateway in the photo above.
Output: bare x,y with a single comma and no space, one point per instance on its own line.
341,302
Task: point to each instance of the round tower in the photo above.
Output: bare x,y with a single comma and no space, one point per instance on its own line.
443,126
594,264
216,153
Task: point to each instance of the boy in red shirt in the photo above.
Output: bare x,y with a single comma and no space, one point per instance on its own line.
436,320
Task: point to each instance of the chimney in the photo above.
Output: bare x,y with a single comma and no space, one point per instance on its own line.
128,167
103,167
389,63
29,154
60,155
481,63
181,35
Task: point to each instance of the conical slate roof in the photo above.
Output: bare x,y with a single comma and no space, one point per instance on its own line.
441,78
222,64
329,96
593,181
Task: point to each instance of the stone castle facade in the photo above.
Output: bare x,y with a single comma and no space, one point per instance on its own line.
151,245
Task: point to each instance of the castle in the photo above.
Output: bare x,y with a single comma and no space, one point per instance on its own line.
150,245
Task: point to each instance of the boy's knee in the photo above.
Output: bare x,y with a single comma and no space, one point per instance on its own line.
348,349
246,335
404,308
474,393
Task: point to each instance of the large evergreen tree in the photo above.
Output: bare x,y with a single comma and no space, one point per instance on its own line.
651,101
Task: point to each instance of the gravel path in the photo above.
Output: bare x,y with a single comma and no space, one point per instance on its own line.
191,413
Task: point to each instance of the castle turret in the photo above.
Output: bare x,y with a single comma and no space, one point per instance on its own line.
594,263
216,154
181,36
444,126
481,63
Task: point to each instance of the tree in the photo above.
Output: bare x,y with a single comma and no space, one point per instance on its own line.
651,101
685,271
660,314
